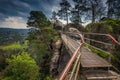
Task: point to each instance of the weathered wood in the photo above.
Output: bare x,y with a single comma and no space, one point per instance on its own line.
93,66
88,59
99,75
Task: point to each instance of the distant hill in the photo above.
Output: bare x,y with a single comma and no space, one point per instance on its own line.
10,35
22,32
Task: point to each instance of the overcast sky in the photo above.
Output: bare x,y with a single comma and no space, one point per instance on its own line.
14,13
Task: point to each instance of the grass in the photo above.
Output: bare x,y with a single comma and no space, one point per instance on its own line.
14,46
98,52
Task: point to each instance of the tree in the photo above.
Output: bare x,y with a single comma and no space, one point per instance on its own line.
113,11
65,9
37,20
77,11
100,11
41,41
94,9
117,9
21,67
111,6
75,18
54,16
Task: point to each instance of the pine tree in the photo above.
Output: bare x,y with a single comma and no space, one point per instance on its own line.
77,11
37,19
54,16
111,6
63,13
117,9
94,9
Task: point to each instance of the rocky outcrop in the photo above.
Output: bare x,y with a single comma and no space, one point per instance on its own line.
55,59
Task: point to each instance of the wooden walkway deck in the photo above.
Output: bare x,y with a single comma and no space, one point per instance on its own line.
88,59
93,67
100,75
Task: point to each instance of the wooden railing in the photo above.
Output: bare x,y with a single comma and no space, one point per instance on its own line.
77,55
71,61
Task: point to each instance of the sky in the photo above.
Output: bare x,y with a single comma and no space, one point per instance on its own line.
14,13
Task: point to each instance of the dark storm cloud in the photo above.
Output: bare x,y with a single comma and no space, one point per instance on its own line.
14,7
17,10
14,13
23,7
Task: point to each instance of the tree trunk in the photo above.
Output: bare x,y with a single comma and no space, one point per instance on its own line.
93,13
79,20
108,13
67,16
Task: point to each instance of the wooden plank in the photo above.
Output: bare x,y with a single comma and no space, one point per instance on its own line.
97,74
88,59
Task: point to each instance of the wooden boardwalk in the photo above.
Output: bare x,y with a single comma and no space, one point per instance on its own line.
88,59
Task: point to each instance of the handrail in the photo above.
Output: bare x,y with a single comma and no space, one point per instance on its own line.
107,53
82,38
100,34
107,35
98,48
68,66
98,41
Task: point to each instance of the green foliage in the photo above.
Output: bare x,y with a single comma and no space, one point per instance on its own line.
41,38
37,19
48,78
12,46
98,52
56,38
63,13
108,26
48,33
113,9
94,27
21,67
12,49
32,34
54,16
115,24
38,50
77,11
2,61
